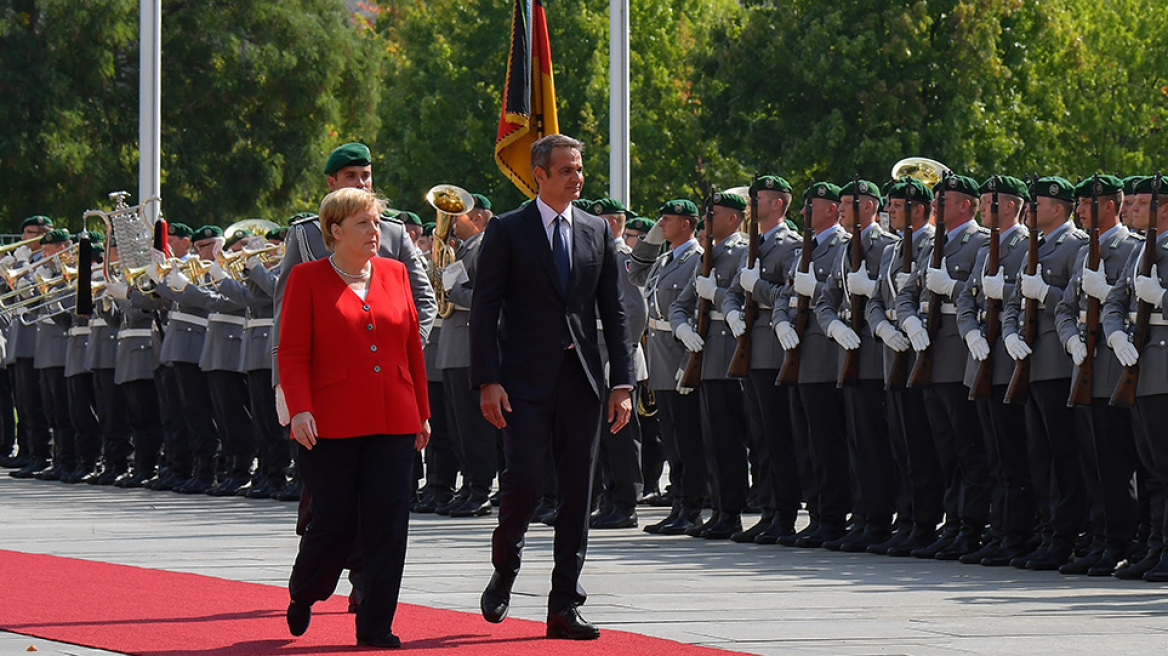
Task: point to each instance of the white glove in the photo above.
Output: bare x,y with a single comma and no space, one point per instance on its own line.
859,282
690,338
23,254
117,290
1095,282
748,277
707,286
939,281
1016,347
995,285
893,338
42,273
8,262
216,272
177,281
1123,349
153,275
253,262
805,283
681,389
655,236
1077,349
1148,289
917,333
979,348
902,279
1034,287
736,322
788,338
841,334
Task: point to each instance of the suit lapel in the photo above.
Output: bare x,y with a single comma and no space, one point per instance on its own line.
537,236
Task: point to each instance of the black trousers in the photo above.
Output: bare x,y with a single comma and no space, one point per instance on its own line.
1152,412
272,447
1109,458
197,407
357,477
801,435
1004,426
724,437
829,451
680,420
870,448
55,392
179,438
81,395
441,463
473,436
565,428
652,452
7,415
924,477
231,401
113,413
618,470
30,409
142,412
775,447
1054,451
959,439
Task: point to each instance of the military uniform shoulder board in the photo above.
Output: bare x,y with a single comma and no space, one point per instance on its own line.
1114,242
984,230
1062,238
965,239
1017,238
307,219
835,239
1083,236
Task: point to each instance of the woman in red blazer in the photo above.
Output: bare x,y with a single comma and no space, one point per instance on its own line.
355,383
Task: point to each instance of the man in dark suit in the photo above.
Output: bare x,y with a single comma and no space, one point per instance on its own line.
546,272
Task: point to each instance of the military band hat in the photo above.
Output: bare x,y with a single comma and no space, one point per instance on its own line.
729,200
863,187
236,237
824,190
279,234
680,207
771,183
481,201
350,154
1005,184
1129,183
920,191
583,204
38,221
428,228
1053,186
639,223
607,206
962,184
208,232
409,218
1147,185
1105,185
56,236
177,229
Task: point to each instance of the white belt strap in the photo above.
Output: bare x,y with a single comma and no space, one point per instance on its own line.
227,318
658,324
717,316
188,318
1156,319
946,308
437,322
258,323
135,332
78,331
97,323
763,306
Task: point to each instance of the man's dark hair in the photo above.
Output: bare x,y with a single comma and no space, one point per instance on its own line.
541,150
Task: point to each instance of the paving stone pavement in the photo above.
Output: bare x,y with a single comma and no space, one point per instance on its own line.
765,600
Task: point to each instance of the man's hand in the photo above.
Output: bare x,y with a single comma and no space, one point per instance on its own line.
748,277
1077,349
423,436
736,322
493,402
1034,287
979,348
1148,289
1122,347
1016,347
788,338
995,285
892,337
1095,282
859,283
805,283
917,333
689,337
939,281
902,278
841,334
707,286
655,235
620,409
304,429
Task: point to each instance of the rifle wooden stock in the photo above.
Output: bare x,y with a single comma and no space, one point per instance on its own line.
850,371
1019,389
922,371
740,360
692,373
789,373
1082,380
983,380
1129,381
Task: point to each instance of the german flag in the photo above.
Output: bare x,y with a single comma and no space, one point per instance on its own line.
529,98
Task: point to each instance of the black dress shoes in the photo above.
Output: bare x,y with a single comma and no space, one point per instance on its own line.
1084,563
779,529
614,519
821,535
791,540
695,531
568,624
753,532
298,616
473,507
29,471
1052,559
965,542
871,536
388,642
1107,562
496,599
836,544
990,547
1159,572
684,521
726,526
1135,570
669,519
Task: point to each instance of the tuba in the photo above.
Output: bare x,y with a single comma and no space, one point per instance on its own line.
928,171
448,202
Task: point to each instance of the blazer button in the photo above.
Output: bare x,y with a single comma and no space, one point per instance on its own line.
376,369
373,348
365,307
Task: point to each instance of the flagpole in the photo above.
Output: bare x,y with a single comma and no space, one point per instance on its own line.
150,104
618,100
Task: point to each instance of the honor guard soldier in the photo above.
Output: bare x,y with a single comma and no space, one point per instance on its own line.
1012,506
921,476
81,394
818,400
618,472
652,455
724,427
1107,448
952,415
869,446
33,436
1121,315
1052,446
101,359
662,277
412,223
778,251
52,344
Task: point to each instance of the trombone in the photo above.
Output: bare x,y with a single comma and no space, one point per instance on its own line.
448,202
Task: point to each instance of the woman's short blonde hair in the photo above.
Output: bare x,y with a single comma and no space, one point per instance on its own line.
343,203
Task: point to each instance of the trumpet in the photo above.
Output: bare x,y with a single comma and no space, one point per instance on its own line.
235,264
448,202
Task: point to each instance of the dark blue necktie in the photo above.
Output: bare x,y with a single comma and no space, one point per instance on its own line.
560,254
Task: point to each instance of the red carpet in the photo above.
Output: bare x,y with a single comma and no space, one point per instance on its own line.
157,613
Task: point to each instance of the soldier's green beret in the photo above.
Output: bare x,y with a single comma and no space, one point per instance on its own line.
920,191
97,248
1147,185
279,234
1053,186
409,218
630,214
301,216
824,190
208,232
607,206
639,223
1106,185
1005,184
350,154
1129,183
56,236
771,183
732,201
177,229
236,237
481,201
680,207
583,203
38,221
864,187
428,228
962,184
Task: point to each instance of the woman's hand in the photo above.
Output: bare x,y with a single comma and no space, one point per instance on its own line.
423,437
304,429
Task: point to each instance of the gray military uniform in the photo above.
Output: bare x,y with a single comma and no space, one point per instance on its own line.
661,279
972,302
454,340
1119,311
139,343
819,359
720,341
636,310
777,255
882,305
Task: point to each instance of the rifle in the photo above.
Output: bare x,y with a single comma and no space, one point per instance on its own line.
922,372
692,375
983,381
1082,379
740,361
1019,388
1125,391
898,372
789,374
850,371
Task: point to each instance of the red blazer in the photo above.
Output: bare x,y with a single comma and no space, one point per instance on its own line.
356,365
